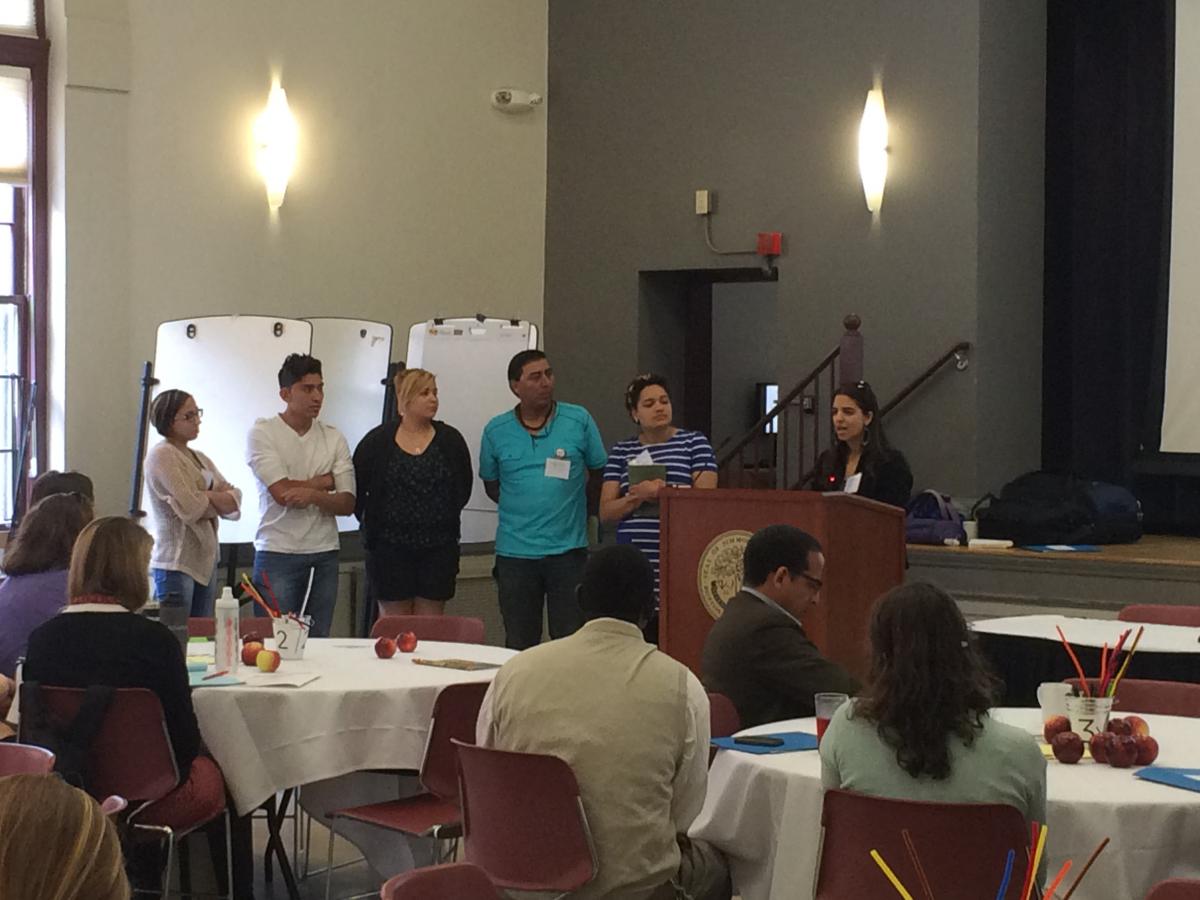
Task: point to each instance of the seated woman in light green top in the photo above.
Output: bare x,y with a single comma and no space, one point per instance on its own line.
921,730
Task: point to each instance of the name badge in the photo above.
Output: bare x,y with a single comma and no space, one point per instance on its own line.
852,483
558,468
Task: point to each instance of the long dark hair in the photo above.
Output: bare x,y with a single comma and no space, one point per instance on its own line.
876,448
928,682
48,535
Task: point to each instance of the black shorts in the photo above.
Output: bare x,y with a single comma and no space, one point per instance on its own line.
402,573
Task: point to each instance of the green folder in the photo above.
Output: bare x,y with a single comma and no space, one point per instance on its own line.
647,472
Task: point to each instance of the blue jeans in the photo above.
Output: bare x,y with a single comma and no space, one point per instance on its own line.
197,597
289,577
526,586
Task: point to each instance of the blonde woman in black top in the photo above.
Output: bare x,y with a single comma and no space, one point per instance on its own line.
414,477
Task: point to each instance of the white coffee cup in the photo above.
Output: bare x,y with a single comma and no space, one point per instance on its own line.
291,635
1052,698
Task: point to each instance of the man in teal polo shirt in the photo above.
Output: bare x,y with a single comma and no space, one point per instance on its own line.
540,462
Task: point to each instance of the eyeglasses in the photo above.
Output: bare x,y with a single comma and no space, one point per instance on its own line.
193,416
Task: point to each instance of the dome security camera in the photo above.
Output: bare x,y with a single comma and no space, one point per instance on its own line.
512,100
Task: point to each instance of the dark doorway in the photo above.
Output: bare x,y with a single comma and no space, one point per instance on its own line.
675,334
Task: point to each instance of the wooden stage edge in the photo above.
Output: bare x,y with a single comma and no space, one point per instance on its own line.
1152,550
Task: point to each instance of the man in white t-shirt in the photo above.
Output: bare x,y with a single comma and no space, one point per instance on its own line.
305,480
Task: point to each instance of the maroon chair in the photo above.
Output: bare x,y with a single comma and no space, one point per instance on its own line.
962,847
259,627
1164,698
1161,614
523,820
1175,889
131,757
435,812
25,759
460,881
723,720
455,629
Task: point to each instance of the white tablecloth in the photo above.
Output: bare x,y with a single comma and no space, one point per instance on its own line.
1094,633
361,713
765,813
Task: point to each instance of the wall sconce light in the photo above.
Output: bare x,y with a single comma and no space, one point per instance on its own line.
873,149
275,137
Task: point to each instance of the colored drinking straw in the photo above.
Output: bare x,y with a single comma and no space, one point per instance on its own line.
1112,660
1037,861
1008,864
1083,682
916,861
1095,853
891,876
271,593
1062,873
1103,669
1112,691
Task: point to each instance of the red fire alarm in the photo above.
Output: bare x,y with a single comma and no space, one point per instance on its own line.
770,243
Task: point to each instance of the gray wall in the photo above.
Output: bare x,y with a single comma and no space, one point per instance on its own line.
760,101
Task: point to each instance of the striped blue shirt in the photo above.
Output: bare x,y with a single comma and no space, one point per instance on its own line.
687,453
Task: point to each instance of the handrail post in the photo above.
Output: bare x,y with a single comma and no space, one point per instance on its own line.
851,357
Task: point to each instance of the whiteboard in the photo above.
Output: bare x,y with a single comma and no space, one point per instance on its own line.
231,366
470,359
354,358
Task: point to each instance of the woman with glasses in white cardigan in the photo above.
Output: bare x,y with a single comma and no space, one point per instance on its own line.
187,496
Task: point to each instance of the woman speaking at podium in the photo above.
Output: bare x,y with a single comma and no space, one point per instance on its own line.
862,461
658,456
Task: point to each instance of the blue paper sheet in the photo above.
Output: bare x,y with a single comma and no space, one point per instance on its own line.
792,742
1188,779
1061,548
197,679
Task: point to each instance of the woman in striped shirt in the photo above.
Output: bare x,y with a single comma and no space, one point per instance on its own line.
685,457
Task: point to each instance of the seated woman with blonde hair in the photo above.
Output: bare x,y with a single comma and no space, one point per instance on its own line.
109,644
56,843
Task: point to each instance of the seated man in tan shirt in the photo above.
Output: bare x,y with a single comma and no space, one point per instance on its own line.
633,725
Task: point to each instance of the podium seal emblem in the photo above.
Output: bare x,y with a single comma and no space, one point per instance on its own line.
719,574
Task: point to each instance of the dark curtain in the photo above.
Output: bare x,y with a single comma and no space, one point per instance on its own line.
1109,114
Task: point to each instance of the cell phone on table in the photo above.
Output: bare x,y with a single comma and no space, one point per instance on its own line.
759,740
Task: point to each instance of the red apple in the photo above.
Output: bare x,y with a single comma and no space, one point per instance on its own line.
407,641
1068,747
1122,751
385,648
1138,725
250,652
267,660
1055,725
1099,746
1119,726
1147,749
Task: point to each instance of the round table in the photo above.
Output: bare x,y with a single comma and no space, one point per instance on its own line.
764,812
362,712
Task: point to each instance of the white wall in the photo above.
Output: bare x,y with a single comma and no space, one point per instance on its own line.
412,197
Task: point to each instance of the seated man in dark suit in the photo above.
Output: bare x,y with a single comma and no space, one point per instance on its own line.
757,653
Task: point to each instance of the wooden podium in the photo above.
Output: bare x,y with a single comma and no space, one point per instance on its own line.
704,533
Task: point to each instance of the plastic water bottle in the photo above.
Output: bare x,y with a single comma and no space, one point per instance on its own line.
228,643
174,614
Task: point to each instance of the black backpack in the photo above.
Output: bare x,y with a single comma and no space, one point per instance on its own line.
1046,508
70,742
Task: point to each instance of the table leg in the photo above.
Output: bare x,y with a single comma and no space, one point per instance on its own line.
275,817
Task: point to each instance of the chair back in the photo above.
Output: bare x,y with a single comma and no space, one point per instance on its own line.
462,881
723,717
259,627
962,847
131,754
455,629
455,712
1163,698
1161,614
25,759
523,820
1175,889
